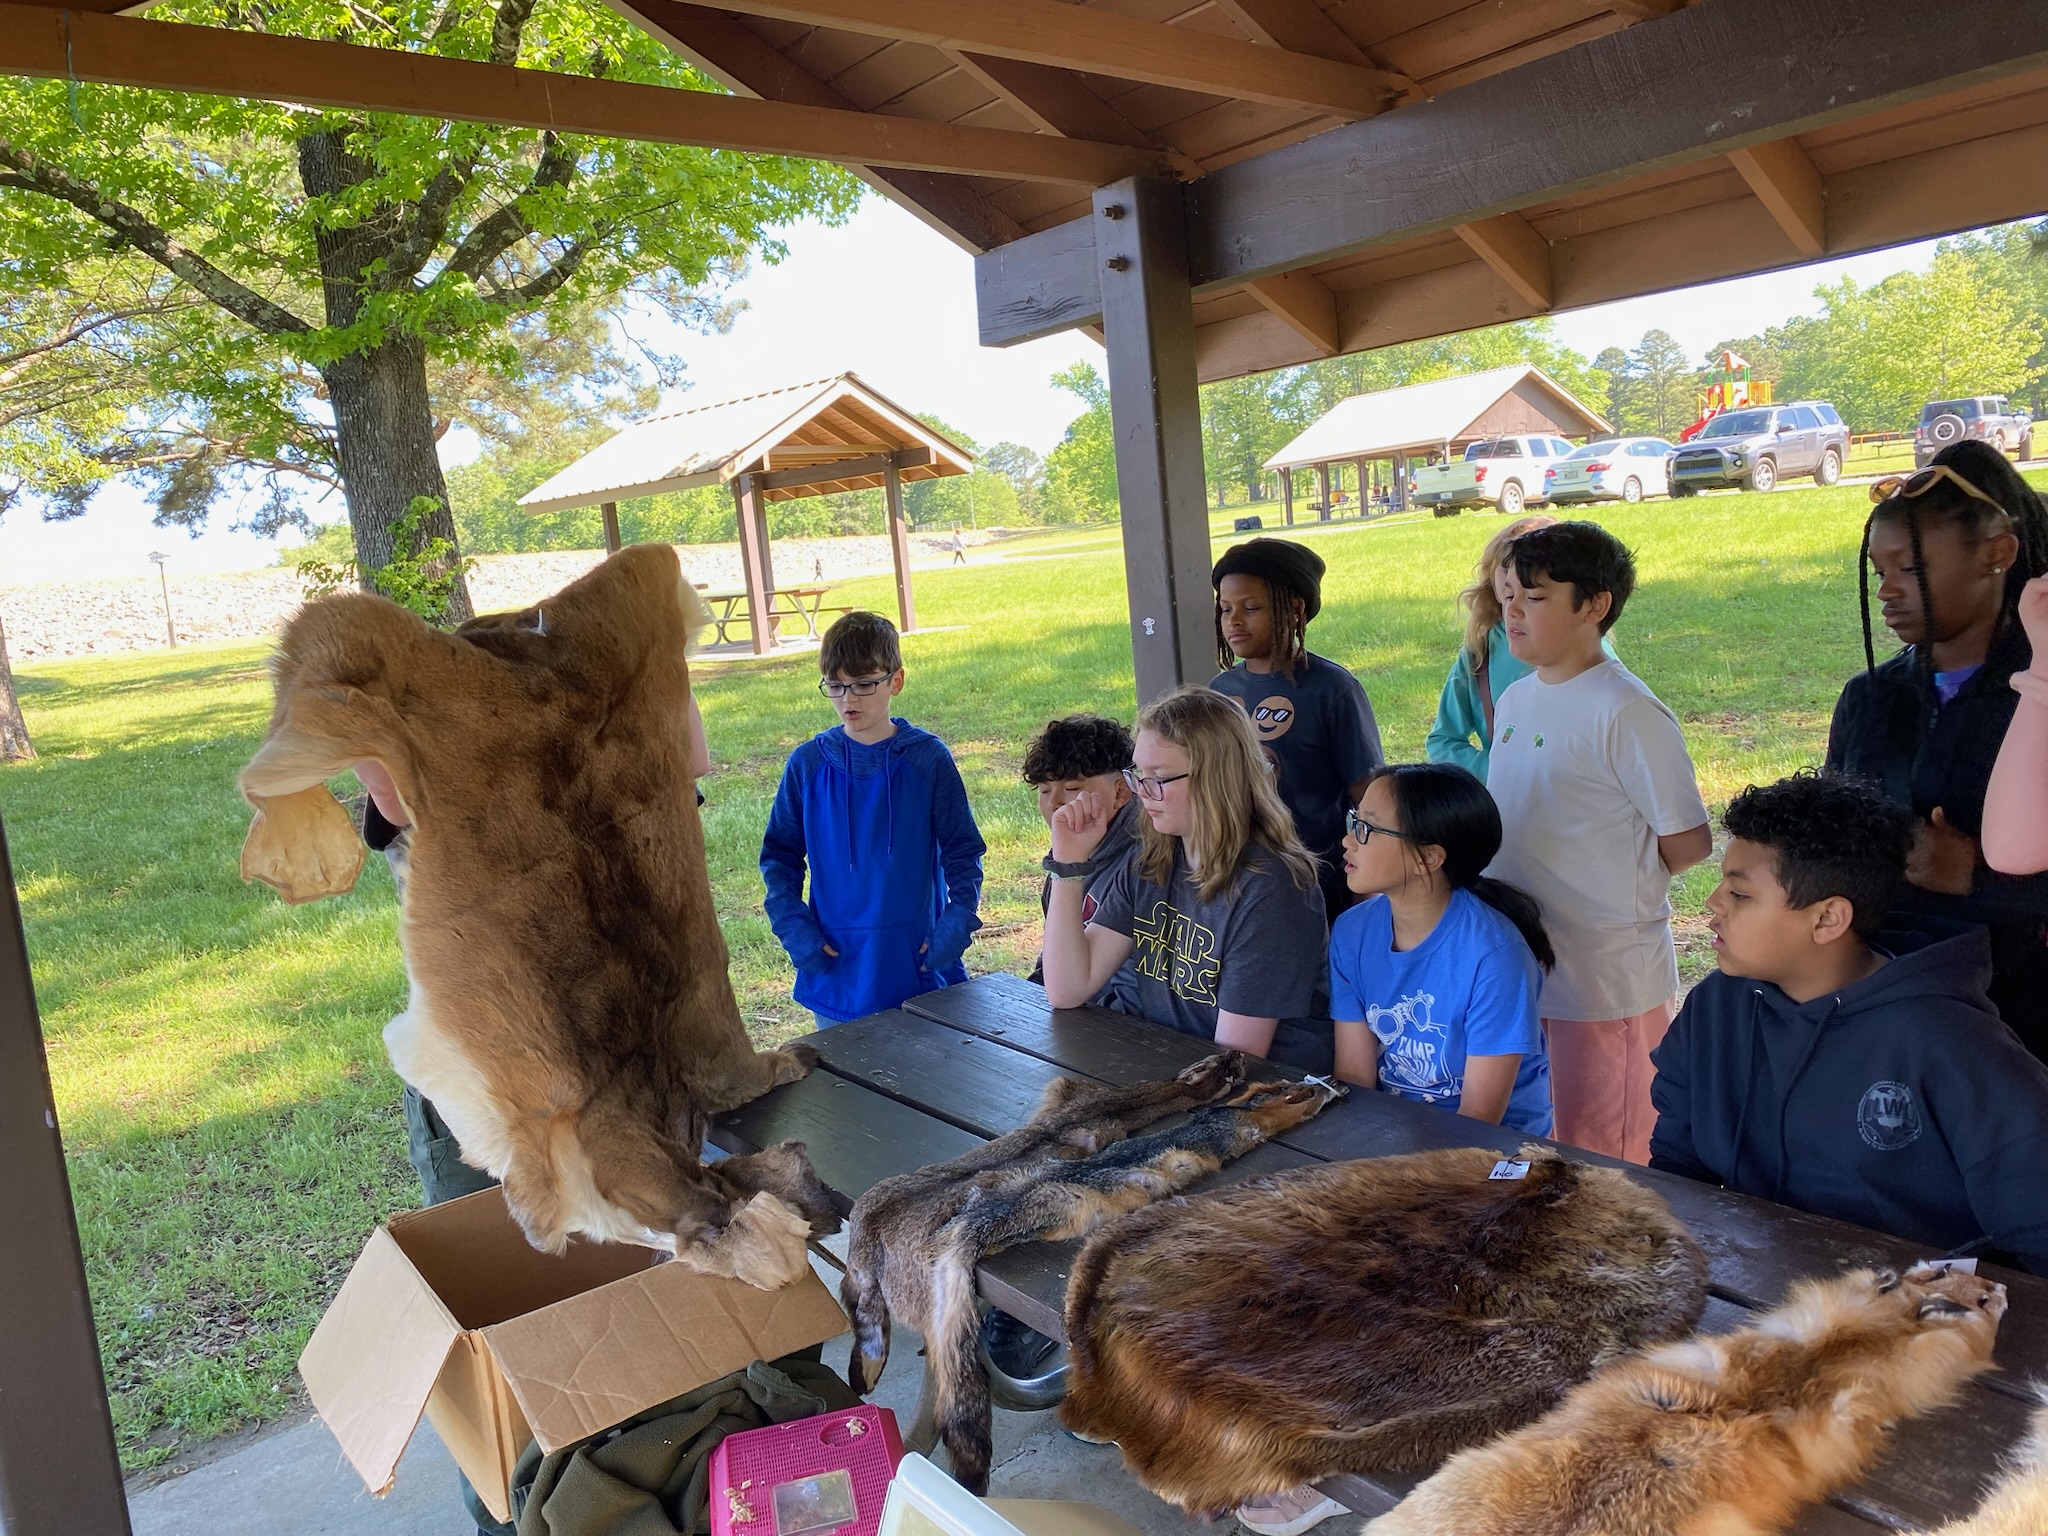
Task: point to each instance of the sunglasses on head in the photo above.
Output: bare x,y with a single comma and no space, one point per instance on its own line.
1920,482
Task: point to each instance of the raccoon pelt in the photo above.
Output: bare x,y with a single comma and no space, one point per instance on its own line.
915,1240
1729,1435
2018,1502
1368,1316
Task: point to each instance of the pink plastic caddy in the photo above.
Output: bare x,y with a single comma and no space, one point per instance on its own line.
827,1476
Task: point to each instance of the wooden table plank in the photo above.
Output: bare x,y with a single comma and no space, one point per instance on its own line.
977,1084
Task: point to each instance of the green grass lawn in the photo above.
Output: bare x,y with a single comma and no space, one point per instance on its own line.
231,1119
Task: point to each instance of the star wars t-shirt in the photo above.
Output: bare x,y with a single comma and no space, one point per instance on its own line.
1469,989
1318,731
1257,949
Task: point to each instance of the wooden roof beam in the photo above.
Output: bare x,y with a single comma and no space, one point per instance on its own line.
1788,183
1510,245
214,61
1305,303
1104,43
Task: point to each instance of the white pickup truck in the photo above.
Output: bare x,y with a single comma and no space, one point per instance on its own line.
1503,472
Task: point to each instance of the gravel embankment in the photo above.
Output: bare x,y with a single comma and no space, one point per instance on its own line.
94,618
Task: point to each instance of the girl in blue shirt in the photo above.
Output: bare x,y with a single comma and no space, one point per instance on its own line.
1434,975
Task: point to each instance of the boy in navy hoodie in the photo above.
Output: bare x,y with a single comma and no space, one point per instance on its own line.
1871,1082
875,809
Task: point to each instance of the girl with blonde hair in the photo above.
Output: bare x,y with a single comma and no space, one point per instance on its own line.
1463,732
1220,914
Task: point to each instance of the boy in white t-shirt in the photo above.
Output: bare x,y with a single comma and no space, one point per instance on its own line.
1600,810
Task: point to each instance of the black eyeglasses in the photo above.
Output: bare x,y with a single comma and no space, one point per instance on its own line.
1361,831
1154,788
860,687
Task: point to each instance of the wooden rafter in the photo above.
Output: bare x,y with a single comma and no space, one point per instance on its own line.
1513,249
213,61
1305,304
1104,43
1787,182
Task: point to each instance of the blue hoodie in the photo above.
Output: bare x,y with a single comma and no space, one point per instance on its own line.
895,864
1901,1103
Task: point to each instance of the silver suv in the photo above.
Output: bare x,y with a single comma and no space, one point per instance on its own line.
2008,428
1757,446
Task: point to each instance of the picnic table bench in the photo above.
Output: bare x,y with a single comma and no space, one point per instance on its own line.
953,1068
804,603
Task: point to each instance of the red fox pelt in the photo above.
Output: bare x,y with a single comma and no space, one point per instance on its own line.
1369,1316
915,1239
571,1016
2018,1502
1726,1435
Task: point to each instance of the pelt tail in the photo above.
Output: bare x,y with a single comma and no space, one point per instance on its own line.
956,1388
860,1293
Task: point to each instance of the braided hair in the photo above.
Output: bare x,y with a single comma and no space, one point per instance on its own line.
2026,515
1286,604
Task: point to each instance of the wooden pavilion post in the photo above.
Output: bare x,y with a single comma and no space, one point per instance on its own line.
758,576
1398,501
1364,488
58,1467
899,547
611,527
1155,412
1323,484
1287,493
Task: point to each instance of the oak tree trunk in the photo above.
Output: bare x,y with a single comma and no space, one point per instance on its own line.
14,743
383,414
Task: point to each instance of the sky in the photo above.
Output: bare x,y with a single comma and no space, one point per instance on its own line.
890,299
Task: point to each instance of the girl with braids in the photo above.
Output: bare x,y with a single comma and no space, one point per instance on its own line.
1313,720
1219,914
1953,546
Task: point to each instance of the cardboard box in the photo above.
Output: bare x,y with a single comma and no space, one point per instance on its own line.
450,1311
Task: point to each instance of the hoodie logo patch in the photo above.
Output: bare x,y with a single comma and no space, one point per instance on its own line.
1887,1118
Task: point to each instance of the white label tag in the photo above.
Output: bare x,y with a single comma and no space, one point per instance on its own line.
1508,1169
1960,1266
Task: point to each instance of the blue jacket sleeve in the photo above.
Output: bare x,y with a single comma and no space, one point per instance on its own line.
960,851
1459,717
782,871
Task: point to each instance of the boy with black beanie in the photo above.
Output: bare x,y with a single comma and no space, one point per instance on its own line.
1851,1074
1312,717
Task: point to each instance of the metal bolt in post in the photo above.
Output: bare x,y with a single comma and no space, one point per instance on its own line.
170,629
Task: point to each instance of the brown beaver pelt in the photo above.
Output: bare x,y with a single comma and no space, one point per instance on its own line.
1371,1316
1727,1436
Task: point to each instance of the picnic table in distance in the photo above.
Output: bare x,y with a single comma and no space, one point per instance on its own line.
805,602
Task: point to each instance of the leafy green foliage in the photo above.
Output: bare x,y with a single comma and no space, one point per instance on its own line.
421,576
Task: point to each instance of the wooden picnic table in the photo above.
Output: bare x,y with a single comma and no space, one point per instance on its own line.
953,1068
783,603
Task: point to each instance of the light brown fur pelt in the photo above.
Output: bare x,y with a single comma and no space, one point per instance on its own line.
1727,1435
916,1239
2018,1503
571,1015
1362,1317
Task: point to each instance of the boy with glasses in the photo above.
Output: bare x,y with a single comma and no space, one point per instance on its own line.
874,811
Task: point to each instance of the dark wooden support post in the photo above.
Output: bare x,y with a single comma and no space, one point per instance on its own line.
58,1467
1323,484
611,527
899,547
1364,488
1398,502
759,578
1287,493
1148,322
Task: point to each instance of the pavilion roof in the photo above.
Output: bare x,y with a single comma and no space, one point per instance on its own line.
1422,416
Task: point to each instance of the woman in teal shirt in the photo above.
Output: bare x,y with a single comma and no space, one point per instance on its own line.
1463,733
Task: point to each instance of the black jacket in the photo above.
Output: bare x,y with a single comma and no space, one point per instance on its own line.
1900,1103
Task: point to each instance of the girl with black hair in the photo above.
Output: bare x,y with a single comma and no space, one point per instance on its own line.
1952,546
1435,975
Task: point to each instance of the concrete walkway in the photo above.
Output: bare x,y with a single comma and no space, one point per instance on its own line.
293,1482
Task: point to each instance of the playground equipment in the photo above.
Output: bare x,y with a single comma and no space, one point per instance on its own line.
1732,387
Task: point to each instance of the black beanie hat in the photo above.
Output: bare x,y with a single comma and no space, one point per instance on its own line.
1280,560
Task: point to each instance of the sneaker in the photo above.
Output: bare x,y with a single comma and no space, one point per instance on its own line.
1289,1513
1027,1372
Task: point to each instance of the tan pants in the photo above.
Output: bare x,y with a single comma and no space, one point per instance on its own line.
1600,1080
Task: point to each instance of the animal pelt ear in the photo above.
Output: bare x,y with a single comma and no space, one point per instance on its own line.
301,842
303,846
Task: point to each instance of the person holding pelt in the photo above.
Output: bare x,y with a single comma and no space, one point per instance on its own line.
1435,974
1953,547
1220,914
875,810
1314,722
1849,1073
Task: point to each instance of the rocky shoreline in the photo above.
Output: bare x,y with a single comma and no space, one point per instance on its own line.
52,620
